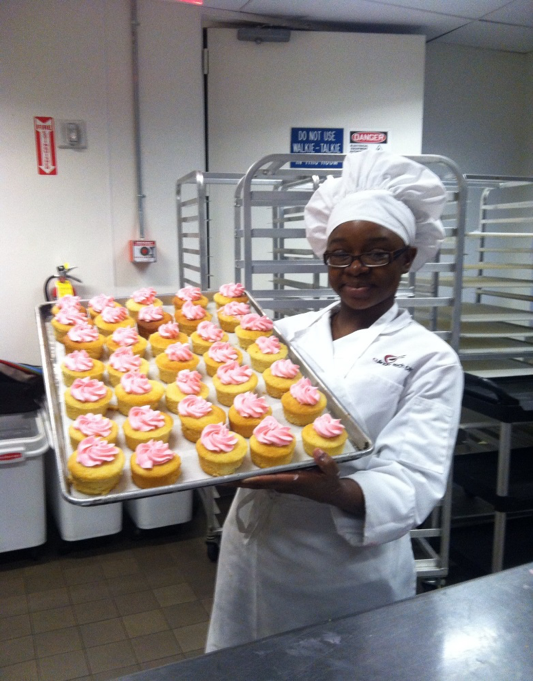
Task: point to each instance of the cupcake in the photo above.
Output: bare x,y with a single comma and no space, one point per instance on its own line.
232,379
247,412
144,424
141,298
92,424
251,327
166,335
174,359
280,376
97,304
205,335
68,302
195,414
265,351
271,444
189,293
96,466
83,336
87,395
189,316
150,318
65,320
220,451
122,361
79,364
229,316
153,464
230,293
303,403
135,390
220,353
126,338
186,383
113,318
326,433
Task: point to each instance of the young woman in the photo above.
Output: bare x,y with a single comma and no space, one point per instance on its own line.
301,548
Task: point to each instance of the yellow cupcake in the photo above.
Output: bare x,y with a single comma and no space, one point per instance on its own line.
298,403
158,426
159,343
114,375
324,433
205,335
230,315
126,338
265,351
113,318
140,299
175,358
79,364
195,414
66,320
135,390
280,376
99,302
251,327
189,293
87,395
68,302
247,412
189,320
272,444
219,354
222,300
219,459
146,467
231,380
189,381
95,479
92,424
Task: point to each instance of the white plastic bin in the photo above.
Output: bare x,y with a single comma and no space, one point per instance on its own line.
23,443
80,522
160,511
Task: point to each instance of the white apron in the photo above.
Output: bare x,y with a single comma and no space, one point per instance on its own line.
286,561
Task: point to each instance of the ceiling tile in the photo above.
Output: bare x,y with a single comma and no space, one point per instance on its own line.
472,9
519,12
492,36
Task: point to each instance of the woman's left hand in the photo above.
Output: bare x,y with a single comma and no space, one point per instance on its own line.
321,484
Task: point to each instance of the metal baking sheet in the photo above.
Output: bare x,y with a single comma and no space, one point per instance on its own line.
192,476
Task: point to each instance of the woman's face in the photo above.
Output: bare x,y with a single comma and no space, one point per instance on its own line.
364,288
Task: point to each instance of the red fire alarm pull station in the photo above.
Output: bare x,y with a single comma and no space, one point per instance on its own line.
142,251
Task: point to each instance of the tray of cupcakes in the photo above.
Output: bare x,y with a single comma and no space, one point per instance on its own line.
153,394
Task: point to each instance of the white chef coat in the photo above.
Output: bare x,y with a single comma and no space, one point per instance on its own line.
287,561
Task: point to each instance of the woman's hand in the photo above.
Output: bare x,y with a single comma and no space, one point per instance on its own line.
321,484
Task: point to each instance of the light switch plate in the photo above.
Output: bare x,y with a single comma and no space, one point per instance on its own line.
72,134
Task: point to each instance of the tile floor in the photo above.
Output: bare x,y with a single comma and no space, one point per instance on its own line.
106,607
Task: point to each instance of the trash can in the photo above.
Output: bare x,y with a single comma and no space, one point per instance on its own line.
23,443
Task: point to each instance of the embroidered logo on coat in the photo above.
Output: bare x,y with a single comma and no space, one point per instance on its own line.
392,361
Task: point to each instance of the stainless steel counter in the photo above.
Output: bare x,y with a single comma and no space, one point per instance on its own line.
480,629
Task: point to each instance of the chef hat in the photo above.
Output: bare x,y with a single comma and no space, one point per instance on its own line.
390,190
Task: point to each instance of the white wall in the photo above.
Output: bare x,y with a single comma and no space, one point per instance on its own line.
72,59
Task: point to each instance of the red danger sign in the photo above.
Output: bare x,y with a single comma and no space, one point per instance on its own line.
45,144
370,137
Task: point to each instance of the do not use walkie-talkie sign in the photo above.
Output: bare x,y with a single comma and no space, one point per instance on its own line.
317,141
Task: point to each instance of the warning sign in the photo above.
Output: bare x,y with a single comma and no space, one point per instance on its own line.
317,141
366,139
45,145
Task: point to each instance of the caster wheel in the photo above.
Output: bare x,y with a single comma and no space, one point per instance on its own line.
213,550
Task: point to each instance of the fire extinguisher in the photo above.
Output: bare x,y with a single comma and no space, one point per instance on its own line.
63,285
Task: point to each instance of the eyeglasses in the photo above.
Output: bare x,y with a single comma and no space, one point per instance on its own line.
371,259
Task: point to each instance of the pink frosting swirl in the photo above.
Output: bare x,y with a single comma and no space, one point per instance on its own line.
169,330
79,360
68,301
144,296
304,392
194,406
124,360
271,432
179,352
150,313
135,383
222,352
192,311
94,451
98,303
327,426
70,316
153,453
93,424
209,332
217,438
250,405
83,333
269,345
232,290
88,390
255,322
125,336
235,309
114,315
189,382
284,368
233,374
189,293
145,419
